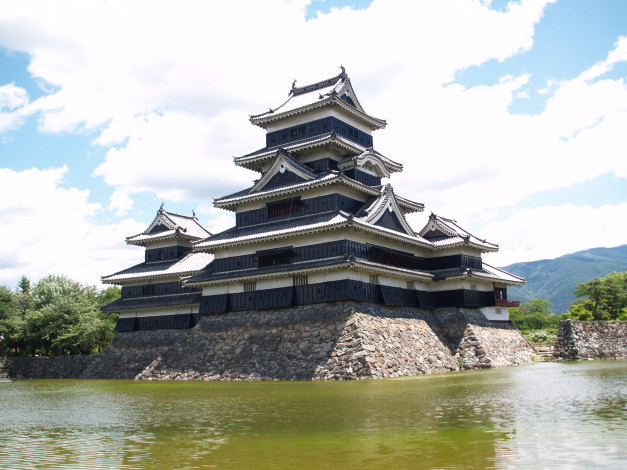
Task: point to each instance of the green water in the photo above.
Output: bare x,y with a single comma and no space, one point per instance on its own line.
548,415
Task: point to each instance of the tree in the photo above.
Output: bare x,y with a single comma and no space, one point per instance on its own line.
53,287
24,296
601,299
55,316
12,325
108,295
536,314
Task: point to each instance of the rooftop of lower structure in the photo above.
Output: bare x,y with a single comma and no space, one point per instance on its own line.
487,272
167,225
152,302
443,233
185,266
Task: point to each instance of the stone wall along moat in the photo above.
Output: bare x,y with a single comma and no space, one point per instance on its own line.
343,340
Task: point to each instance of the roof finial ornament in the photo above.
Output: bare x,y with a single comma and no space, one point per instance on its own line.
193,213
162,204
294,85
343,70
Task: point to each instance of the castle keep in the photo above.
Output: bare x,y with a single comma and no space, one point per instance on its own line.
321,244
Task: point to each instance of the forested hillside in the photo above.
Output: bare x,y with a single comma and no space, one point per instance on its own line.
556,279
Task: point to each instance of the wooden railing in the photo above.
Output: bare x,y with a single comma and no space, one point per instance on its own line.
507,303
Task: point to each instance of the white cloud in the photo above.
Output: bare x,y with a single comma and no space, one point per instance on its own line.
47,229
168,87
12,101
154,76
215,220
563,229
616,55
12,97
120,202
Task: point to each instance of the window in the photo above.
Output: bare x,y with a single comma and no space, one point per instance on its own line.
250,286
300,281
274,259
283,208
374,279
500,293
410,285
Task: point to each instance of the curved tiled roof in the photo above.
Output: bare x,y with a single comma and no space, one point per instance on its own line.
189,264
168,225
443,233
157,301
309,266
335,91
252,160
231,201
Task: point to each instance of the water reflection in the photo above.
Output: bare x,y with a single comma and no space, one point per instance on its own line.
545,415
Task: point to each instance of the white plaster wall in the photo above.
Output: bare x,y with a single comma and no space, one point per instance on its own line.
495,313
482,286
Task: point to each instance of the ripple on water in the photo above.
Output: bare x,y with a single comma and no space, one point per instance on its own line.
545,415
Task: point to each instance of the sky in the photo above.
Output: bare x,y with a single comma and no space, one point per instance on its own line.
509,117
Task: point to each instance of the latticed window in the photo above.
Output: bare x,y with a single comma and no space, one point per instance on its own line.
250,286
283,208
275,258
301,280
374,279
410,285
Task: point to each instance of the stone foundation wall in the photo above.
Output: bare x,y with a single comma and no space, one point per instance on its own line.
591,340
343,340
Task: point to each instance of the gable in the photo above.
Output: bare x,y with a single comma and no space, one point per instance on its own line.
283,179
435,233
284,171
390,221
158,228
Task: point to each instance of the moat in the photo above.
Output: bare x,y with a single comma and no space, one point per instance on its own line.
548,415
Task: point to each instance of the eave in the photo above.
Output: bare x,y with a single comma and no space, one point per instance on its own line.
333,178
455,242
342,220
253,162
293,270
143,240
374,123
120,280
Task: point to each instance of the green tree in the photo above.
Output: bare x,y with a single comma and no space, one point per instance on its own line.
108,295
61,316
54,287
24,296
536,314
601,299
12,323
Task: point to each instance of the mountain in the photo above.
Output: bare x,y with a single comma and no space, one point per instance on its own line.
556,279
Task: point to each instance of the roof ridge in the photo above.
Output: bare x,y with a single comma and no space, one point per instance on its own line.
296,91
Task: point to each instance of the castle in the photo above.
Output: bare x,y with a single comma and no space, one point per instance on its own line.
317,228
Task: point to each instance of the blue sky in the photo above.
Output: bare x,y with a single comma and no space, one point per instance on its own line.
508,116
